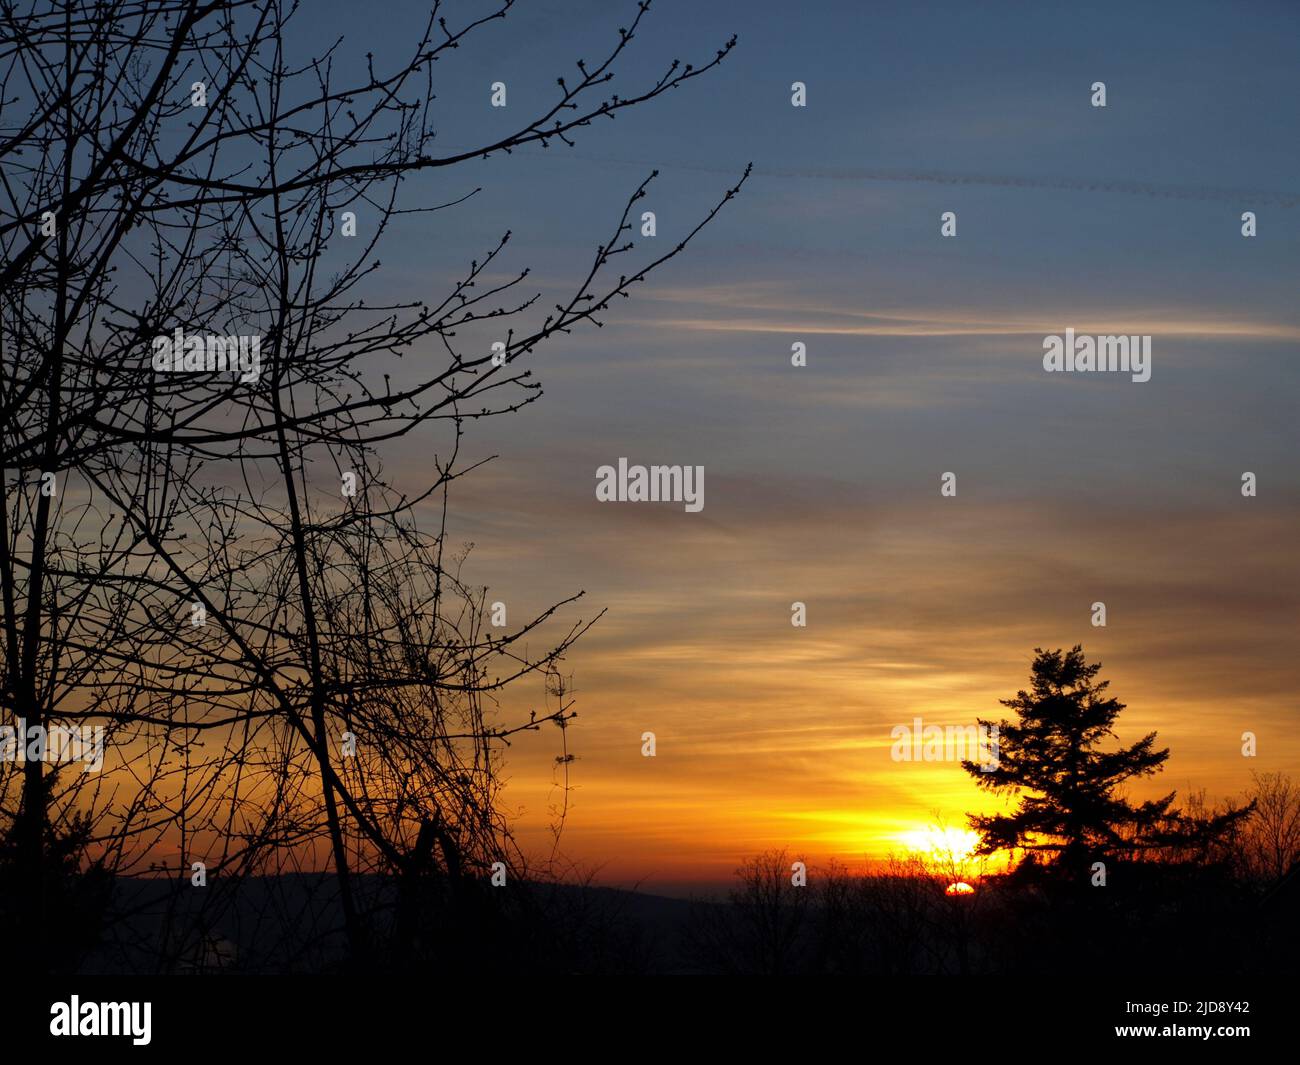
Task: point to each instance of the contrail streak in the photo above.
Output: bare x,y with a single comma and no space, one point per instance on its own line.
1246,198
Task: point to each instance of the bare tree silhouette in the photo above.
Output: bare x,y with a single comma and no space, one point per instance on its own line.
194,581
1268,844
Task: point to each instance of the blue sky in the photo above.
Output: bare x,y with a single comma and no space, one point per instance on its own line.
924,357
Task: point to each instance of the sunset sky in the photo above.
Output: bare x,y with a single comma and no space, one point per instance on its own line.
822,483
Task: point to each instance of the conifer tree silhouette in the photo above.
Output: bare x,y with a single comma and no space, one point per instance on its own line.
1070,809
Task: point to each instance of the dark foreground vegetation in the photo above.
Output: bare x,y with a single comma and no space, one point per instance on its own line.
1231,910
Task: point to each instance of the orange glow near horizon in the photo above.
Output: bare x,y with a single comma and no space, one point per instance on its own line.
801,760
941,844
